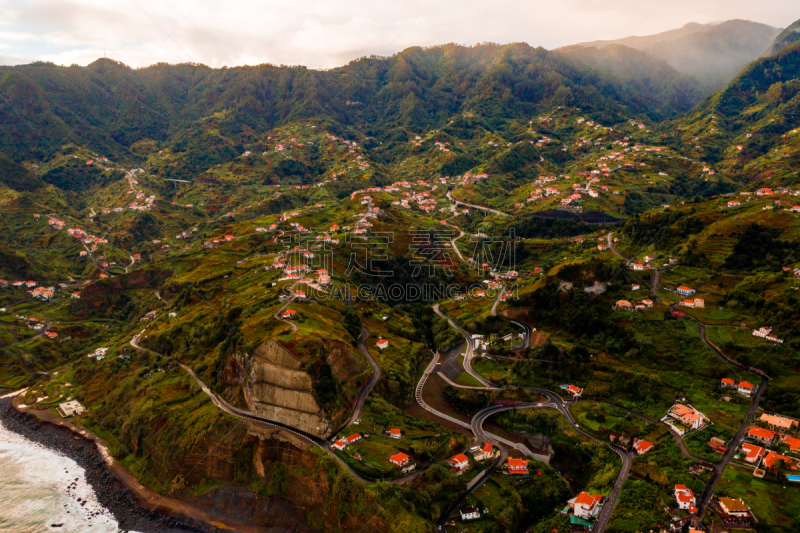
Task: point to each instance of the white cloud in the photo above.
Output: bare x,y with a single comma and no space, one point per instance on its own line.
323,34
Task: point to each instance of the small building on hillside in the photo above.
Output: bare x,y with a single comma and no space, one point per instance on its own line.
481,453
459,463
517,466
623,305
399,459
685,498
642,446
469,513
71,408
746,389
587,506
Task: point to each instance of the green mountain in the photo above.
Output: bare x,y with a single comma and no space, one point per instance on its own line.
649,82
712,53
211,241
787,37
111,107
748,128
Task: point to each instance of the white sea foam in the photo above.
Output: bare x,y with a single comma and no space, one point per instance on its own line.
40,489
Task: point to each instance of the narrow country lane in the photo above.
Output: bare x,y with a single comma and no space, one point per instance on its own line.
488,209
376,376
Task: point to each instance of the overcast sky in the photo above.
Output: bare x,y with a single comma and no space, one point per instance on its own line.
330,33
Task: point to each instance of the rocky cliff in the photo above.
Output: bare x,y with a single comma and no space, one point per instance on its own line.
277,389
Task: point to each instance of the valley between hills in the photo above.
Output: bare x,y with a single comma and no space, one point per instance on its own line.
490,288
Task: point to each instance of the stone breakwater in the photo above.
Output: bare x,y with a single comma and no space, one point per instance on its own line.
109,491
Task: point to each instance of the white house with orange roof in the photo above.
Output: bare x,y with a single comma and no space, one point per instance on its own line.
746,389
685,498
587,506
752,452
399,459
481,453
459,463
382,343
686,415
517,466
763,435
642,446
572,390
352,439
685,291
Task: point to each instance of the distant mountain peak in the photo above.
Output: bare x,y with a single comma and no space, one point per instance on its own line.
711,53
786,38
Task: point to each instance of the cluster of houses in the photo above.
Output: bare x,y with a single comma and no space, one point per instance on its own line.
341,444
764,441
43,293
625,305
694,303
684,418
19,284
149,202
646,265
745,388
99,354
401,460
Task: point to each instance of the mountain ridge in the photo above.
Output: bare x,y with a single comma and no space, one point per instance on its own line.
711,53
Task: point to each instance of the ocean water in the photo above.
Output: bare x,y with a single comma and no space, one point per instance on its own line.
40,489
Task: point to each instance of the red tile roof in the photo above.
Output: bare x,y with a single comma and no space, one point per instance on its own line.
761,433
584,498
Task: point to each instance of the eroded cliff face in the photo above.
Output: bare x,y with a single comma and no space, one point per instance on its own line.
277,389
295,491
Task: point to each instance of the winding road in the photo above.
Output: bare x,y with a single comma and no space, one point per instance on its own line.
733,446
376,376
488,209
470,353
554,401
615,250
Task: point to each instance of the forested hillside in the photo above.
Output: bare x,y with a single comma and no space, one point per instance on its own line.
111,106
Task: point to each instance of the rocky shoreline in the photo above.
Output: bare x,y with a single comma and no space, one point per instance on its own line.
121,502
